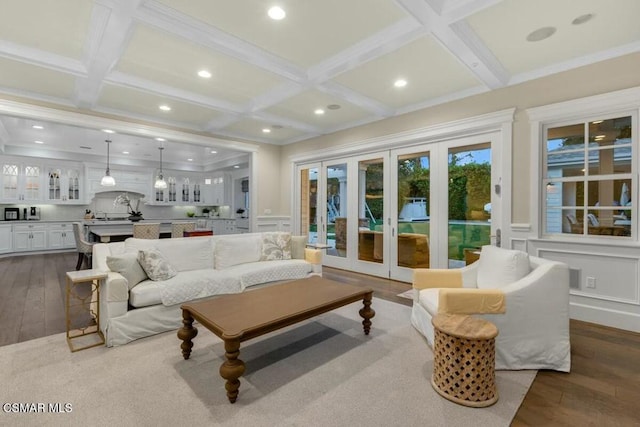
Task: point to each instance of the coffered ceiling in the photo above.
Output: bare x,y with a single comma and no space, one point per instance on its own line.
269,78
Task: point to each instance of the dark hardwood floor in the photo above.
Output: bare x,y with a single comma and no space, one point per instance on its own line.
603,387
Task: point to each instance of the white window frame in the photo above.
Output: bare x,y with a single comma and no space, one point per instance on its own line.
620,103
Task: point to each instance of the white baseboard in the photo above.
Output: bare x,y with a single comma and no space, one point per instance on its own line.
606,317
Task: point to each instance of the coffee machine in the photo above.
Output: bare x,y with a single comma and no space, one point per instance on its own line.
33,213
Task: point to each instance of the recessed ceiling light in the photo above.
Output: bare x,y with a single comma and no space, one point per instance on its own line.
214,152
165,108
266,130
333,107
160,139
190,160
38,142
275,127
541,34
236,167
204,74
400,83
319,111
107,131
276,13
37,127
125,152
582,19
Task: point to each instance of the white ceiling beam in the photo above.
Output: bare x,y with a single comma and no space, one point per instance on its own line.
457,10
41,58
111,28
461,42
356,98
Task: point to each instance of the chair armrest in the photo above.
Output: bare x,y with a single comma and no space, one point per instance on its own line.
471,301
424,278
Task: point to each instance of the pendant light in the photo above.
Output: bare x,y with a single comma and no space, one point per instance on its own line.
107,179
160,184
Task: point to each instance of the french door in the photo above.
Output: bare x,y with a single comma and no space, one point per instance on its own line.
387,213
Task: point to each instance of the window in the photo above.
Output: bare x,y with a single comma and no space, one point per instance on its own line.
587,180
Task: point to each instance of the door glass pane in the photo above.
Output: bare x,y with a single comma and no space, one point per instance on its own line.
469,225
336,236
309,203
413,210
370,210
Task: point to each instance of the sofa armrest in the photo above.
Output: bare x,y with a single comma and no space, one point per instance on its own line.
471,301
424,278
115,288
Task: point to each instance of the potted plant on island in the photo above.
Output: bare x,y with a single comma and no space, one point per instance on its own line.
134,214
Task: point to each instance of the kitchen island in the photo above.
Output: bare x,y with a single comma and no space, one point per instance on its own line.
98,230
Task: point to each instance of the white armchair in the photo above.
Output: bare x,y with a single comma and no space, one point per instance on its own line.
526,297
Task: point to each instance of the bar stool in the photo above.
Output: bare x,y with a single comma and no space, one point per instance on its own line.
146,230
178,228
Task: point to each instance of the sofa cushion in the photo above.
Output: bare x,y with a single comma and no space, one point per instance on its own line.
428,299
127,264
255,273
183,287
187,253
276,246
498,267
155,265
230,251
133,244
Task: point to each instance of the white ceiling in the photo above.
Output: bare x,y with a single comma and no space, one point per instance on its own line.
126,57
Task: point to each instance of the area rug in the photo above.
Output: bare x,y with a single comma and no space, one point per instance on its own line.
323,371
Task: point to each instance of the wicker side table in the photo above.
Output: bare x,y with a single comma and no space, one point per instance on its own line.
464,360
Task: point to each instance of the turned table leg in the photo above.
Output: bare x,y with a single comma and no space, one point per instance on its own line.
367,312
187,333
232,368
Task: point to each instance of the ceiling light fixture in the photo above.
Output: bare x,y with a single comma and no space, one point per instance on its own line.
37,127
214,152
541,34
160,139
266,130
319,111
164,107
333,107
160,183
107,179
276,13
125,152
400,83
204,74
38,142
107,131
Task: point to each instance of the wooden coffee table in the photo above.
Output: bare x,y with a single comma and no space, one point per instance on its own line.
240,317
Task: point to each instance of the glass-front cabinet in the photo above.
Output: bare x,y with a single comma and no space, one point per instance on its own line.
588,179
63,185
21,181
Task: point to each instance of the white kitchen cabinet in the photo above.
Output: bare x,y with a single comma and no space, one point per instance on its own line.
29,237
64,185
182,189
60,236
6,239
216,191
21,181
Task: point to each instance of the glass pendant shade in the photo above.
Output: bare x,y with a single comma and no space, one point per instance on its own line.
107,179
160,183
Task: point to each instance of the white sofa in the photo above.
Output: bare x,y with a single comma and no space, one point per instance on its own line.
132,306
533,331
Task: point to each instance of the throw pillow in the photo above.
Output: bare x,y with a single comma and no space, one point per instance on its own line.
498,267
127,264
276,246
155,265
